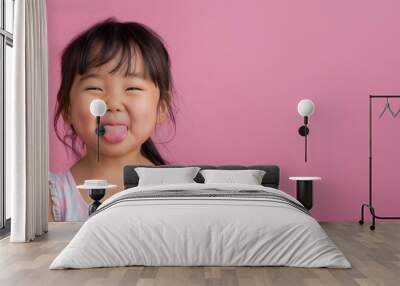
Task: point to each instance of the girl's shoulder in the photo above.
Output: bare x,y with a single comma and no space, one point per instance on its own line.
68,205
53,177
62,186
60,181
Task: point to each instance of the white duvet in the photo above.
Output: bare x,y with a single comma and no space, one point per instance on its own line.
200,231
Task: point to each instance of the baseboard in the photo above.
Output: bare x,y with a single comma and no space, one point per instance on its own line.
5,231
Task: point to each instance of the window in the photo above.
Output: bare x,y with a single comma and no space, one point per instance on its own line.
6,62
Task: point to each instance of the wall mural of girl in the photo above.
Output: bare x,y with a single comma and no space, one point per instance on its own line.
127,65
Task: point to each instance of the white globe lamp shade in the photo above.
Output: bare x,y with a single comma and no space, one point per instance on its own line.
98,107
305,107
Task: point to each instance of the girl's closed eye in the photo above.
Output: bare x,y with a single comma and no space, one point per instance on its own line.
93,88
132,88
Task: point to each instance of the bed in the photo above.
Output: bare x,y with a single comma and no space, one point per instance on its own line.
201,224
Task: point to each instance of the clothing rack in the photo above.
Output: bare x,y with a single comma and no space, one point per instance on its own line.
369,205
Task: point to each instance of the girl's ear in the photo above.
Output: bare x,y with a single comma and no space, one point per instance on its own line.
162,112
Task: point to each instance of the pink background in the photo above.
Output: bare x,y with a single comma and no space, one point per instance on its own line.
240,68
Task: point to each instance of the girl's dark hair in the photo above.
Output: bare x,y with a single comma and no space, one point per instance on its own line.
100,44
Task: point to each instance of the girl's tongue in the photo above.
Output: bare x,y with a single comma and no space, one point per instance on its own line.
115,133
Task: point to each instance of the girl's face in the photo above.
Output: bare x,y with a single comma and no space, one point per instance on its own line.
132,105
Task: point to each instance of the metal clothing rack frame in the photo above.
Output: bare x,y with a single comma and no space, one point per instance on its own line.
369,205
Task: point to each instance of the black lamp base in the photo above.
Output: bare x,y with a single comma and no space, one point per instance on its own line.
304,131
100,131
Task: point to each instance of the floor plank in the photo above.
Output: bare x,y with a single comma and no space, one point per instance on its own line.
374,255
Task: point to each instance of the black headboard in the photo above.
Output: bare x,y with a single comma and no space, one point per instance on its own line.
270,179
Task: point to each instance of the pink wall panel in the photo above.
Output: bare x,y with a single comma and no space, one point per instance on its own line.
240,67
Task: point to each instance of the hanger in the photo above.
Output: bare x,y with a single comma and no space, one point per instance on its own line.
387,106
397,113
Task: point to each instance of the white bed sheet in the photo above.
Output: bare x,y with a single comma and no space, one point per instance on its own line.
200,231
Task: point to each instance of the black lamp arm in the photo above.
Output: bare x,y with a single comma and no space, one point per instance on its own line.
303,131
100,131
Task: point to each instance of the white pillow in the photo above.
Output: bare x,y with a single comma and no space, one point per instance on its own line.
249,177
162,176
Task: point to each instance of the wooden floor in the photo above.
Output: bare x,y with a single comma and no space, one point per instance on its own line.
375,257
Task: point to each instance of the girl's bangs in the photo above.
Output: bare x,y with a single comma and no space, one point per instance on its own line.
100,51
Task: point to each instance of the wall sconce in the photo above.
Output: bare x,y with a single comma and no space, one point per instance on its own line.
98,108
305,108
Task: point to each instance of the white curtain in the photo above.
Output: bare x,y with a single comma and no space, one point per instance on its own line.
27,124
